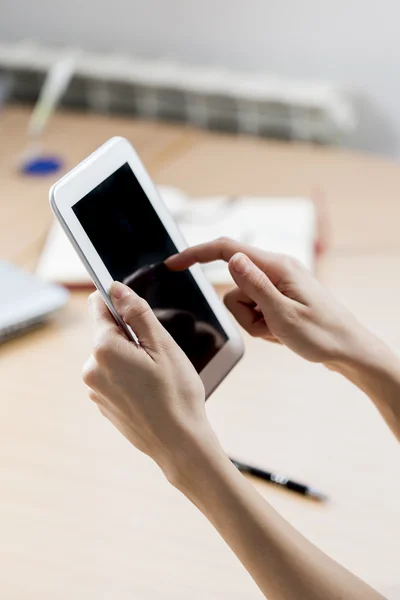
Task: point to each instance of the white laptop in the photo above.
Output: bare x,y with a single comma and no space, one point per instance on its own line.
25,301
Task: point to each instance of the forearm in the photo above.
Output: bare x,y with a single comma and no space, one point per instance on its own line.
375,369
280,560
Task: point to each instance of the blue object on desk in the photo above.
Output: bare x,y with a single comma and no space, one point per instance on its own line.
41,165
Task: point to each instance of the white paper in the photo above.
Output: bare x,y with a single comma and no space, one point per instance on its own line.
284,225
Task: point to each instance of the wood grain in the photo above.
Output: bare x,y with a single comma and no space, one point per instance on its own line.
82,514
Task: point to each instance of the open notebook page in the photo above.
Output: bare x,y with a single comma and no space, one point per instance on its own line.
285,225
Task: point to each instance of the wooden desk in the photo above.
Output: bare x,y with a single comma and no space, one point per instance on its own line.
82,515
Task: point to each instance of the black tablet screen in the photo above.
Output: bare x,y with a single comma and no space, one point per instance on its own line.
131,240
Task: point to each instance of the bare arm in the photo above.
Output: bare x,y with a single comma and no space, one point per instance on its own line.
282,562
153,395
376,371
279,300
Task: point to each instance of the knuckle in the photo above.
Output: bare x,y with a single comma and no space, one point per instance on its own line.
291,315
290,264
223,244
101,353
89,372
224,241
102,350
296,264
138,310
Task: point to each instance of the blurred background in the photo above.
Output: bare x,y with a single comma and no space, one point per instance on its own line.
349,45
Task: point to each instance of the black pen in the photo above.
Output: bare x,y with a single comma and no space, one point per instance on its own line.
277,479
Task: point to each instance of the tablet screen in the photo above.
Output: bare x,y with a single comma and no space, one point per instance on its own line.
131,240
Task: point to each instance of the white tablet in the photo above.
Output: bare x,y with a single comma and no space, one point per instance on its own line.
112,213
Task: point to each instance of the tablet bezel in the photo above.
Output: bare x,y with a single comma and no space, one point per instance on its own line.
83,179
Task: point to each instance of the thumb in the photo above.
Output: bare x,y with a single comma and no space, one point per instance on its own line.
254,283
136,313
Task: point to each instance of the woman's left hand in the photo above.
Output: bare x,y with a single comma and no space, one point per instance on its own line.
150,392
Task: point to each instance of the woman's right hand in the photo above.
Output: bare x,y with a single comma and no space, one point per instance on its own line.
278,299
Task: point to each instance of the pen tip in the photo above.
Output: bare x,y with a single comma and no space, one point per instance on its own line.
316,495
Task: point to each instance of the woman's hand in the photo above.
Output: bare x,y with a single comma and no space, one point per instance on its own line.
150,392
277,299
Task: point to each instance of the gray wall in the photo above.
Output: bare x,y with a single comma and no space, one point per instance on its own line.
353,42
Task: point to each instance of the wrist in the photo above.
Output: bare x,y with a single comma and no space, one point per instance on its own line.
363,354
374,369
195,450
359,350
198,465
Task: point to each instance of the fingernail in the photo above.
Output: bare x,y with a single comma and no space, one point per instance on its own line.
118,290
240,263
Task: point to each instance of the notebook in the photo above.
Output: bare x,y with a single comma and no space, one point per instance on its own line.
26,301
284,225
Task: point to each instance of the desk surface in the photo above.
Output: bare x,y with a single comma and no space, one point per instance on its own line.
82,515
